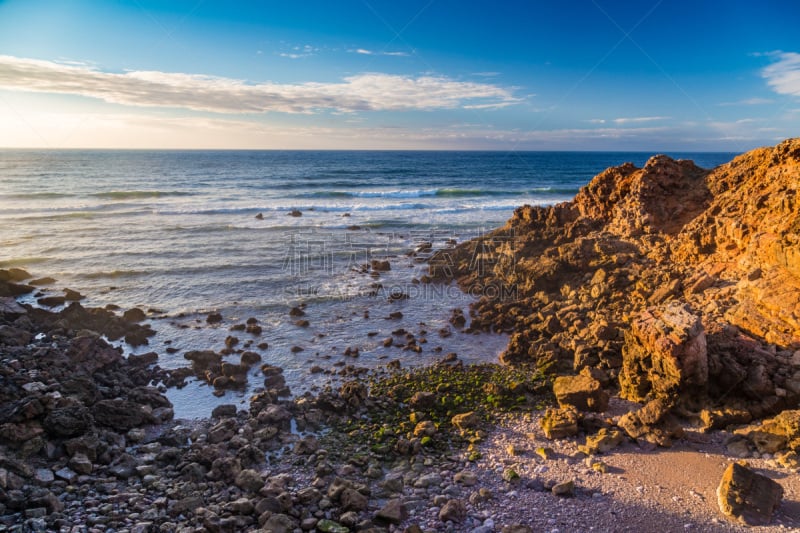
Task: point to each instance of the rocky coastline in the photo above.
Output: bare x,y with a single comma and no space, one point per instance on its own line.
660,309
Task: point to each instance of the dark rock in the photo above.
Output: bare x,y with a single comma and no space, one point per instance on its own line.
73,296
224,411
379,265
453,511
134,315
120,414
214,318
68,421
52,301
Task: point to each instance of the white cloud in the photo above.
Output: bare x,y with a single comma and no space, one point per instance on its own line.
361,92
783,76
366,52
749,101
637,120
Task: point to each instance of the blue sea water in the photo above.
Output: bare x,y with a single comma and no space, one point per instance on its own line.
176,232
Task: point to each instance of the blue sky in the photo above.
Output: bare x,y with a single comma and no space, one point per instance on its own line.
370,74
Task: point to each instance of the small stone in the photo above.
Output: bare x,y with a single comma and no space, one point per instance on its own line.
560,423
510,475
329,526
44,475
453,511
466,478
249,480
81,464
393,512
545,453
567,488
465,421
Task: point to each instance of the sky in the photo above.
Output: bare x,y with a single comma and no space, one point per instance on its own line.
645,75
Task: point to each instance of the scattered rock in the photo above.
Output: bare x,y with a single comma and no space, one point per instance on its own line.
560,423
453,511
582,392
747,496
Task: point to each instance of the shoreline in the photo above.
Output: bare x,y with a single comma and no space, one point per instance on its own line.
619,301
305,451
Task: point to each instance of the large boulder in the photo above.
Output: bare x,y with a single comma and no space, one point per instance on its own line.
582,392
747,496
69,421
120,414
664,354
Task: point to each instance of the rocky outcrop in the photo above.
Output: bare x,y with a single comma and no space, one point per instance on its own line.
674,282
664,355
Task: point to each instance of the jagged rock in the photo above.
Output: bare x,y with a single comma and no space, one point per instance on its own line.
747,496
134,315
393,512
652,423
453,511
566,488
603,441
582,392
664,354
120,414
464,421
352,500
775,434
560,423
68,421
249,481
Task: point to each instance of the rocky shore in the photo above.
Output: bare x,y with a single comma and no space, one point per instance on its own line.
651,384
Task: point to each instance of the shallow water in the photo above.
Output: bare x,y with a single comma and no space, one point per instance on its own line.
176,232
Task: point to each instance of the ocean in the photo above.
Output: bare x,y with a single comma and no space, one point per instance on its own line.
183,233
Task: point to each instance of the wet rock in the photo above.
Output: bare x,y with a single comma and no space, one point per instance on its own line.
422,400
295,213
214,318
134,315
51,301
379,265
582,392
73,296
747,496
224,411
560,423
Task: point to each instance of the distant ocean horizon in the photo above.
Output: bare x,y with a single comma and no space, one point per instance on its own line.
185,232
